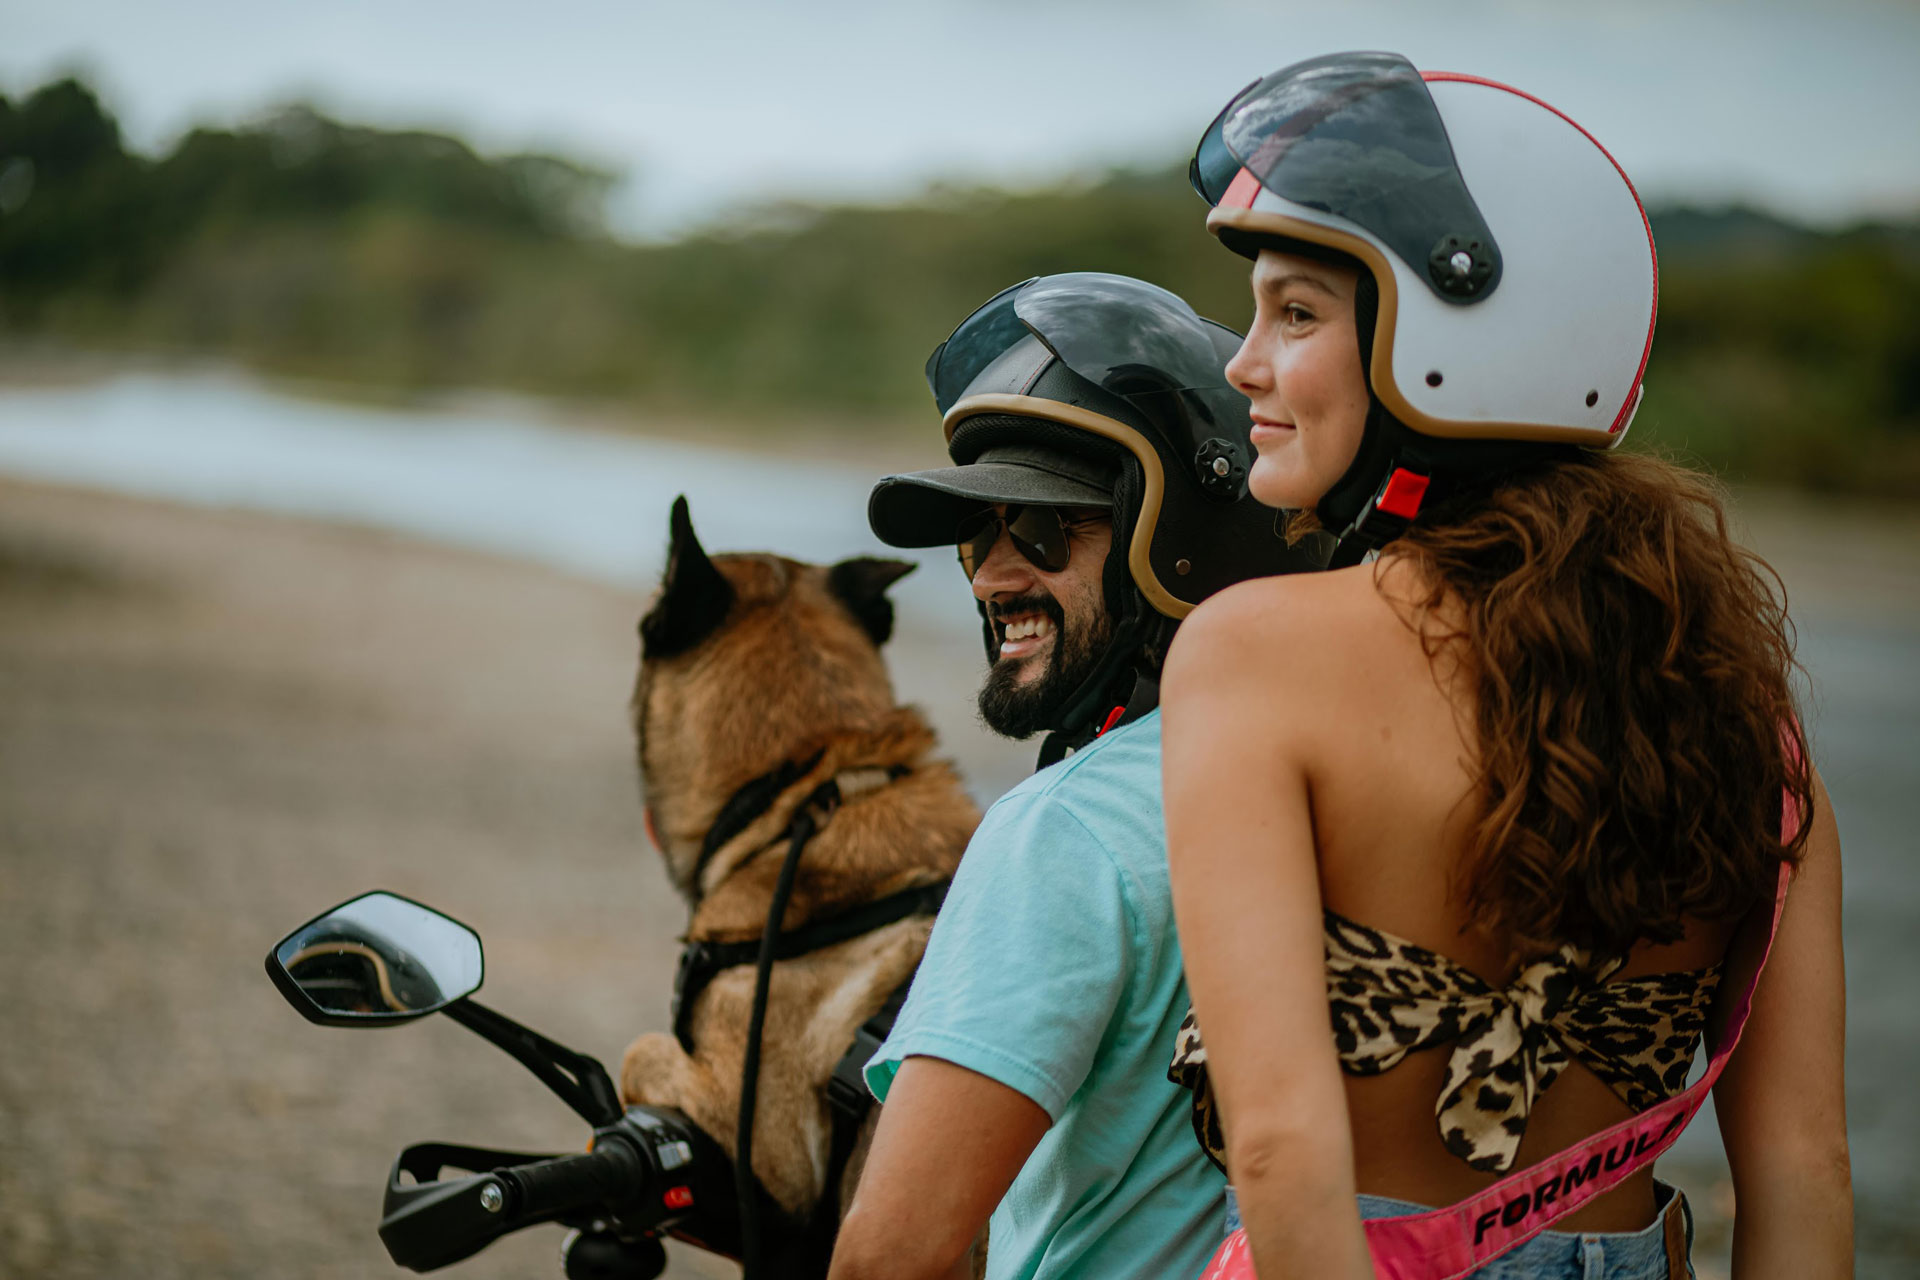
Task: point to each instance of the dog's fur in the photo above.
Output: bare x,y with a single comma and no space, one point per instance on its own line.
748,662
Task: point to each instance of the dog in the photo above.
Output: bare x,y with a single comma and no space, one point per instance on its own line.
760,679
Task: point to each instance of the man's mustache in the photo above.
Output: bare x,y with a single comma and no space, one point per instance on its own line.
1037,602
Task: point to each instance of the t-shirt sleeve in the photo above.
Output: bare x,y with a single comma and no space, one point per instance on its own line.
1028,961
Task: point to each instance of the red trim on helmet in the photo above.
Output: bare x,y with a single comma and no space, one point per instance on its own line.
1621,418
1241,192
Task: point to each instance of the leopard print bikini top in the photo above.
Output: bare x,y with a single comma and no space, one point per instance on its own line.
1389,997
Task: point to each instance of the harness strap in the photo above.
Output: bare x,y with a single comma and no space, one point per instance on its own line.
753,798
849,1105
701,962
847,1089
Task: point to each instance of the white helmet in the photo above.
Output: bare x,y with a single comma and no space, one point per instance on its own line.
1514,266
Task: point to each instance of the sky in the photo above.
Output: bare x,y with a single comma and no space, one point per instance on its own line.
709,107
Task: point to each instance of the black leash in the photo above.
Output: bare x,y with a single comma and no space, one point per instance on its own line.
747,804
745,1186
700,961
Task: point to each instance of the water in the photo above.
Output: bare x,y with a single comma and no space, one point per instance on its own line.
493,480
596,504
586,502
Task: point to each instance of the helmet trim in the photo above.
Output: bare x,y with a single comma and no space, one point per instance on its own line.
1270,223
1135,443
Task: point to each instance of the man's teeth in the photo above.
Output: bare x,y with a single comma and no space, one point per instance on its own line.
1029,628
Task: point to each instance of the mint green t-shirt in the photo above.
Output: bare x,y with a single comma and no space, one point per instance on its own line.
1054,970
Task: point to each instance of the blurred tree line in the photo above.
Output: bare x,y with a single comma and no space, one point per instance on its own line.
403,260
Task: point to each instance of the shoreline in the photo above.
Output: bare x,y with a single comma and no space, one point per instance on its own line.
886,444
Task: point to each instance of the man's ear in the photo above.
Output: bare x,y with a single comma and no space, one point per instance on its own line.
861,584
694,595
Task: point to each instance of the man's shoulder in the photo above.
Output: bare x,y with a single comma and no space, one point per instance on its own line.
1108,791
1123,756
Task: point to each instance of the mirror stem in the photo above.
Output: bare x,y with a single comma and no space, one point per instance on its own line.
578,1080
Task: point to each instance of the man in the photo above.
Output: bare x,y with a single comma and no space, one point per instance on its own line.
1099,494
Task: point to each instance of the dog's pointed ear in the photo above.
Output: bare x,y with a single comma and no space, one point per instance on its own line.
861,584
694,595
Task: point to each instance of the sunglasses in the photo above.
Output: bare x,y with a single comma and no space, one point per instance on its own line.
1038,532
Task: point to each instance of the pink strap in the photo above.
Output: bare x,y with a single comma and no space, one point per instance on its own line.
1443,1244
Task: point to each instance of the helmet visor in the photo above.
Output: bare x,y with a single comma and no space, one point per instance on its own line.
1357,135
1137,341
977,342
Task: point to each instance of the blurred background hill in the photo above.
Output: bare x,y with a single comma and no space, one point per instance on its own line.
407,262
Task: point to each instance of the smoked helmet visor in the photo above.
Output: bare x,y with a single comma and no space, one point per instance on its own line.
1127,337
1357,135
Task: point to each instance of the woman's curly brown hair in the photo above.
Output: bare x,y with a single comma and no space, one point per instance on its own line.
1634,675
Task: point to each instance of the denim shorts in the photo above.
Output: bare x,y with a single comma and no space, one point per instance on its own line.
1559,1255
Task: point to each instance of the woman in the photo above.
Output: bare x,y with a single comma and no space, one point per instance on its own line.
1502,797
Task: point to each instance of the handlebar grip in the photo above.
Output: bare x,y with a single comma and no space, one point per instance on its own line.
609,1175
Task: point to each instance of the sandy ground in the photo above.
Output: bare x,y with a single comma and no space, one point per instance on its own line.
214,725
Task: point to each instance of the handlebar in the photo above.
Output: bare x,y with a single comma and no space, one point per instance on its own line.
652,1171
611,1174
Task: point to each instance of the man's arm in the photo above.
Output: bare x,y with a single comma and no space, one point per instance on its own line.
947,1147
1022,975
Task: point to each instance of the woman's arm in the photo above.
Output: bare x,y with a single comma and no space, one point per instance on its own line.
1782,1100
1246,896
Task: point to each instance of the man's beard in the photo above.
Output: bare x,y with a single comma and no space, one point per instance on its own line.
1020,710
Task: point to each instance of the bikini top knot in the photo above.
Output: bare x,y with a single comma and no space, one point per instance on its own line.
1389,997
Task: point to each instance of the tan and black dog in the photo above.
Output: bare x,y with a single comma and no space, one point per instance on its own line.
760,680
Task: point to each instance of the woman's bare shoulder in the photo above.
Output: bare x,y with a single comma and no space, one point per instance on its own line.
1306,617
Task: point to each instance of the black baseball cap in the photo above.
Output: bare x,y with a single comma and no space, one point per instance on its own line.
924,508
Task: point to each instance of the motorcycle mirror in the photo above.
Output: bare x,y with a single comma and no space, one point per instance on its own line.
376,960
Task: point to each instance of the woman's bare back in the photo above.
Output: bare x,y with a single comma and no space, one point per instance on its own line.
1394,798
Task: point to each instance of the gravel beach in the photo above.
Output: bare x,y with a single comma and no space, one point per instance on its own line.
213,725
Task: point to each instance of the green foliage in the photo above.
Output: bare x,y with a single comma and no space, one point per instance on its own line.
403,260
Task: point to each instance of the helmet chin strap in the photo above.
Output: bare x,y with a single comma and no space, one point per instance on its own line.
1397,473
1118,682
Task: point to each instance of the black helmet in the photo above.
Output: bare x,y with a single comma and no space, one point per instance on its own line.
1101,390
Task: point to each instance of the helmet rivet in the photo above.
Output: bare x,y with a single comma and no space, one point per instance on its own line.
1461,273
1218,468
1593,398
1183,567
1433,378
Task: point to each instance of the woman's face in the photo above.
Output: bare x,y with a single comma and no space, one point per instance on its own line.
1300,366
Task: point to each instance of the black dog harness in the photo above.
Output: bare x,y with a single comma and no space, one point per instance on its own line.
700,961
